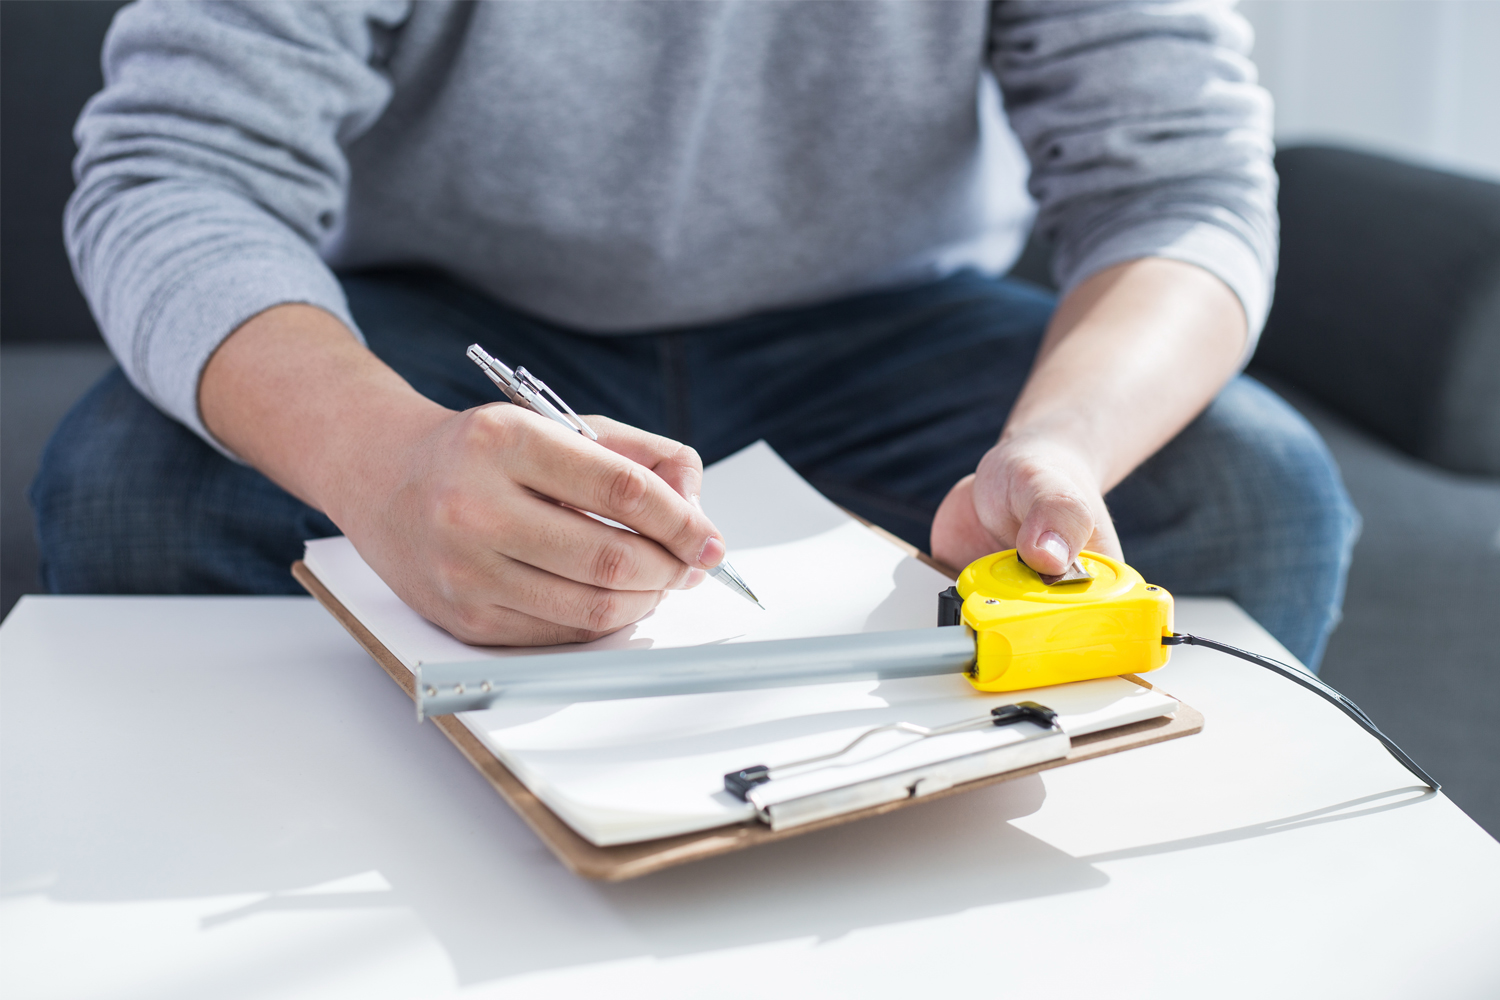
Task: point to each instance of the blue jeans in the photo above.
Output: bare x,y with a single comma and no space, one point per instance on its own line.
882,401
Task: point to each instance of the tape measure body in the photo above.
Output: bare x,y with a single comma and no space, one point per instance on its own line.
1031,635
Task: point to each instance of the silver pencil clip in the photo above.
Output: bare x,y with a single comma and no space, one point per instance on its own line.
525,389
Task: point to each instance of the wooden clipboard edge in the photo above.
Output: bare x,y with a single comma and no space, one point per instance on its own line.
627,861
557,835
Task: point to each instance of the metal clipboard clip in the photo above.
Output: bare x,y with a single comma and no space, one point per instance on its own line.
805,791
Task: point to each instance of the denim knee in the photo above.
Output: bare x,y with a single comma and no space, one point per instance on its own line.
128,501
1248,503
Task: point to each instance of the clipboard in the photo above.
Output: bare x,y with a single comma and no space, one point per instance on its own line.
627,861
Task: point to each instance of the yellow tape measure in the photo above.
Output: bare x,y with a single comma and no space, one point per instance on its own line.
1031,634
1026,633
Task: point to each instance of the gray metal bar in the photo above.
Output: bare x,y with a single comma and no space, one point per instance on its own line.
443,688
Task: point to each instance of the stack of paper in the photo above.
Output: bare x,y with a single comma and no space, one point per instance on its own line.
624,771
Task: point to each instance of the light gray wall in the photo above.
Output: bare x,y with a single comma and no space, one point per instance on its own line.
1419,79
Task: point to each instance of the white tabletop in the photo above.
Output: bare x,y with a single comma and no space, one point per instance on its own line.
225,797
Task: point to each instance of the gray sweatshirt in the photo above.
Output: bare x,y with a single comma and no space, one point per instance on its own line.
617,167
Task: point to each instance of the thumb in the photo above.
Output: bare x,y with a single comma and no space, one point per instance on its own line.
1057,526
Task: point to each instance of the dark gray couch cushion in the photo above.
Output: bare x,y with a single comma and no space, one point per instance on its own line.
1388,301
1466,429
49,66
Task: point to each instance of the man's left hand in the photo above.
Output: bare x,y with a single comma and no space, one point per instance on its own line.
1035,496
1132,354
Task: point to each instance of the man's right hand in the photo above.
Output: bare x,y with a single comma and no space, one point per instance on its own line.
484,533
474,518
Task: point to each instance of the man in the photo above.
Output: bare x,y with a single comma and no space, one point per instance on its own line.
712,223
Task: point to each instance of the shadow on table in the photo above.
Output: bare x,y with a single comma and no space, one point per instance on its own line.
944,857
300,784
1367,805
304,785
953,857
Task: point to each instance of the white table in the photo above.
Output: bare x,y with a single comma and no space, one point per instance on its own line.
224,797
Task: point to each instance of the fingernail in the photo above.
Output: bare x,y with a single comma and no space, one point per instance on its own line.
694,577
713,552
696,501
1052,544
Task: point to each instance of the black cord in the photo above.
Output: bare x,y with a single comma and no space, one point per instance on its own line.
1314,685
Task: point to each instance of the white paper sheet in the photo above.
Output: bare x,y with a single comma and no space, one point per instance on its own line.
622,771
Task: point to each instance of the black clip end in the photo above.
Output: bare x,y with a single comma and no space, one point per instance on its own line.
950,608
1025,711
739,783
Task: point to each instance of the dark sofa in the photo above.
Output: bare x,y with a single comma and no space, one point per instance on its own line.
1385,333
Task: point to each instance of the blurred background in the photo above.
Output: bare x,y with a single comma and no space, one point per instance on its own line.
1418,79
1385,332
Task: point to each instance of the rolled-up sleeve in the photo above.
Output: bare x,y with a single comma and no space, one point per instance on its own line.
1147,135
210,169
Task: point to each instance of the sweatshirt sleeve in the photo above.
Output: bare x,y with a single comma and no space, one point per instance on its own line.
211,167
1147,135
